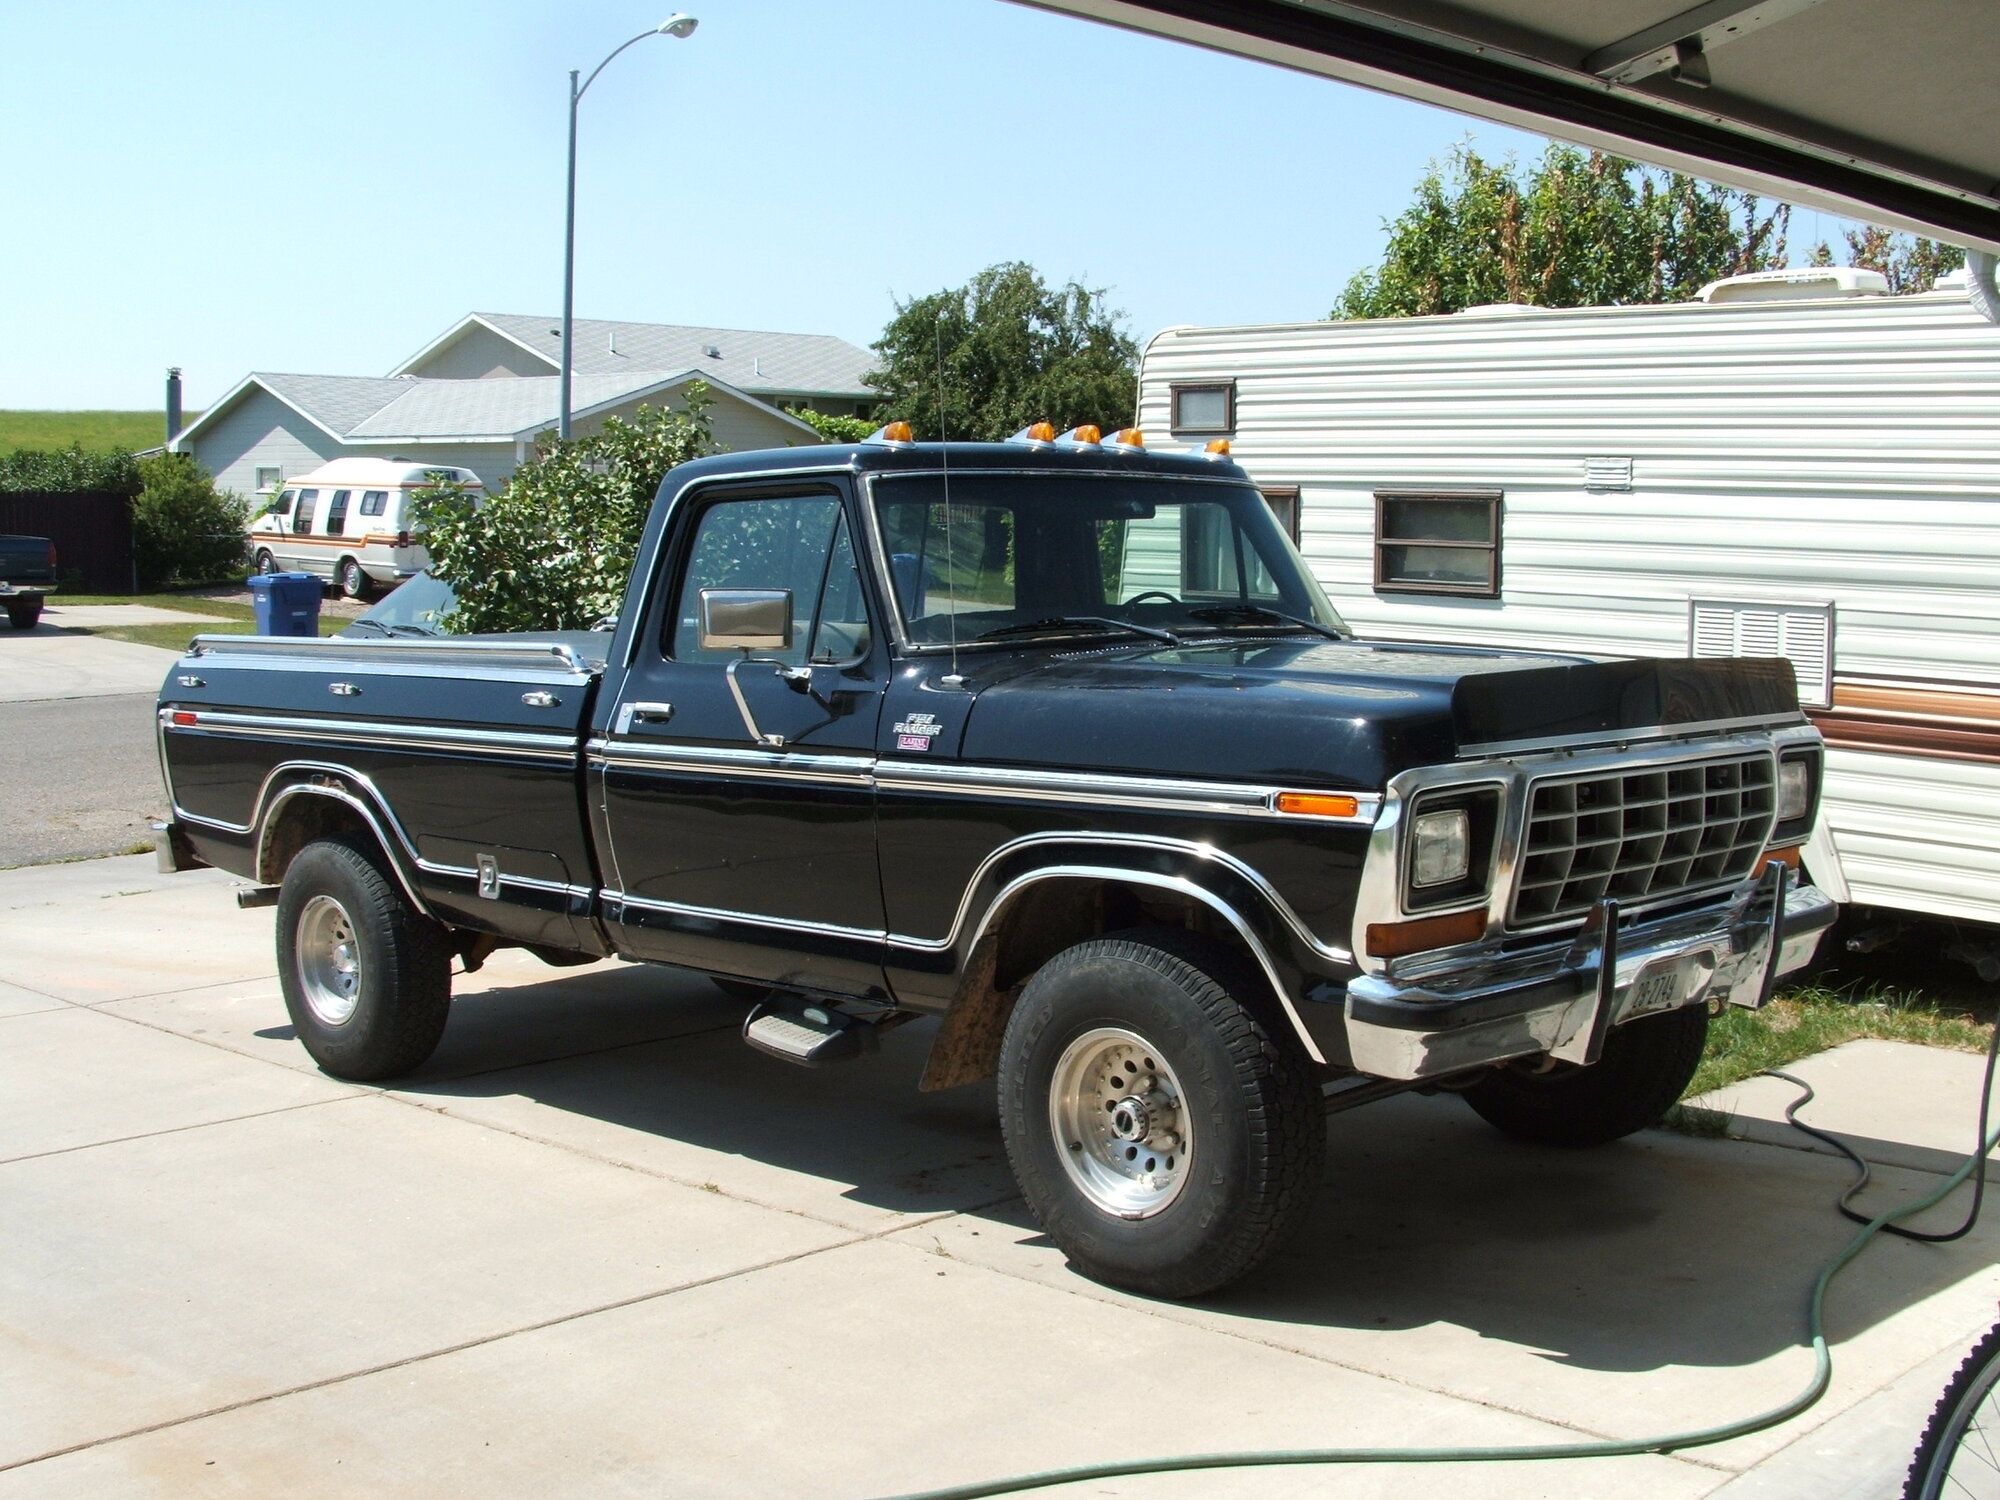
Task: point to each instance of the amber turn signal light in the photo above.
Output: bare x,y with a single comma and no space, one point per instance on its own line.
1319,804
1789,858
1394,939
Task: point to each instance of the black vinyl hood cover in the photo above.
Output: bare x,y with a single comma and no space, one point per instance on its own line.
1347,714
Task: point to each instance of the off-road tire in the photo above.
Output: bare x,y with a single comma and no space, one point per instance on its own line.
1646,1066
1255,1116
1963,1421
351,579
403,994
24,614
264,562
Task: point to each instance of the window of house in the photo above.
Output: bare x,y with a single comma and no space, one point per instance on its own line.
269,479
1204,410
302,518
1284,503
336,513
374,502
1442,543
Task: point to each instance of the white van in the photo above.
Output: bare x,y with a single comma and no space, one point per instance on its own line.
350,522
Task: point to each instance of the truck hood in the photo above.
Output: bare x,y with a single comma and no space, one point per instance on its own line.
1344,713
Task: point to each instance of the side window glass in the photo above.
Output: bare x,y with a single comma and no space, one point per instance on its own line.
302,518
840,626
783,543
374,502
282,506
336,513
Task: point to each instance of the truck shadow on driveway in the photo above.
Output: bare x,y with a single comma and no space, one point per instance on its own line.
1662,1250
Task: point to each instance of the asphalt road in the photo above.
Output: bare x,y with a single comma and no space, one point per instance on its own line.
78,777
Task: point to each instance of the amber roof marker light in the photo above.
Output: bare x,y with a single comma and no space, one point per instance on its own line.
1217,448
892,434
1126,437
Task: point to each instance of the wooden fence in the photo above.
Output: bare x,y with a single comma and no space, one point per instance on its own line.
92,533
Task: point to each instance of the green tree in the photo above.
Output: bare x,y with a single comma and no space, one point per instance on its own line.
552,549
185,530
1576,229
833,428
1909,262
1012,351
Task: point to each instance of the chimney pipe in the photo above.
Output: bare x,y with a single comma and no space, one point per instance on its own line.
173,404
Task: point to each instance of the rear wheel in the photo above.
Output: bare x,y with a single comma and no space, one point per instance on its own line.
24,614
265,562
1646,1066
352,579
1165,1138
366,976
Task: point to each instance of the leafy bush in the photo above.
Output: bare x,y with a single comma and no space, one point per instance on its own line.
70,470
184,530
836,429
552,549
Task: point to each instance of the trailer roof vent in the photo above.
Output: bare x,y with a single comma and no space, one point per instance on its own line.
1607,473
1797,284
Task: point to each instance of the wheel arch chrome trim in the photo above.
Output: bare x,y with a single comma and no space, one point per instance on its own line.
367,813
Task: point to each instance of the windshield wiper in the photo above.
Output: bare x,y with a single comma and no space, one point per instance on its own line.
1056,622
1251,612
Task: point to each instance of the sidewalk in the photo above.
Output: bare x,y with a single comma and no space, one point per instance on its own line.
599,1247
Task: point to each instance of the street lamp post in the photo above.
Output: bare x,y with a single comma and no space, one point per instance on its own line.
674,26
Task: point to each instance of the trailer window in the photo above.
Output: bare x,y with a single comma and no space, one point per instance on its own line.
1447,543
1204,410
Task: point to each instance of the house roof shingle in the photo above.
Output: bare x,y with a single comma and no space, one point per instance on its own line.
750,360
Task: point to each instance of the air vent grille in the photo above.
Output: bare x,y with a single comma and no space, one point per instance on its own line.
1642,835
1801,633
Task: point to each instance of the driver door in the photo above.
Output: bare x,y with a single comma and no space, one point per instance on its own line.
739,805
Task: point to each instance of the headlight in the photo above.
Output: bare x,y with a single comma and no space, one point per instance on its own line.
1794,789
1440,848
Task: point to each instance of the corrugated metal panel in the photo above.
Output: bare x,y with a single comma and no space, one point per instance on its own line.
1783,454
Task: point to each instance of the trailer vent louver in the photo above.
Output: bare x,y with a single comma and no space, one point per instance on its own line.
1642,836
1607,473
1801,633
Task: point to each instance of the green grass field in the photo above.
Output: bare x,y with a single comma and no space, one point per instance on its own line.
95,430
237,619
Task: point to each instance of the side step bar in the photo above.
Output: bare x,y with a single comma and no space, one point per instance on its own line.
807,1032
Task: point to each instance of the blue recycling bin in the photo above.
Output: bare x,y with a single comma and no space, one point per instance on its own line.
285,603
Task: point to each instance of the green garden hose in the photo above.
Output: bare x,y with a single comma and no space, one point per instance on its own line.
1612,1448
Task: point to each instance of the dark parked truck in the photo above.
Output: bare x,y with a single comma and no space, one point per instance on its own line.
1058,742
27,576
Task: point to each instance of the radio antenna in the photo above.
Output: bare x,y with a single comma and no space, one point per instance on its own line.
944,468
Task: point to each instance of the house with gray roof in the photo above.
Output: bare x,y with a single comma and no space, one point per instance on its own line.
271,427
477,396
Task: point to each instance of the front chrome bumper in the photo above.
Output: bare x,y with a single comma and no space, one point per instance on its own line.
1459,1011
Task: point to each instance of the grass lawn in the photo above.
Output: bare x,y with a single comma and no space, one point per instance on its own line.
1814,1017
94,430
237,619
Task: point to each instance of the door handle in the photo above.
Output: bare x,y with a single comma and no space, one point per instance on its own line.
643,713
541,700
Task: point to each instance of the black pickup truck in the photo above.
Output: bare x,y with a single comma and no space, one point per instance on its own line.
1058,742
27,576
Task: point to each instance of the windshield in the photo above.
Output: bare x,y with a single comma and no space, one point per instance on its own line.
416,607
1021,554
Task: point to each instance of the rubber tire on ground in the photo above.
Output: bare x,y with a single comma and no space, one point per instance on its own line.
1258,1121
1646,1066
405,990
24,614
351,579
1945,1433
264,562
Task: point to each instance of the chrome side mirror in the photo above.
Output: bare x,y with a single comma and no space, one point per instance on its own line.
745,619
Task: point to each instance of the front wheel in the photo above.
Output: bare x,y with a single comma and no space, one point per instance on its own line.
1165,1138
366,976
1957,1453
265,562
24,614
1646,1066
352,579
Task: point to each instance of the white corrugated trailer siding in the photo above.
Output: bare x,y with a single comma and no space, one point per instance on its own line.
1812,453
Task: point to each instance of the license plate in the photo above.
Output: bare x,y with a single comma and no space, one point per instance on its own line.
1660,986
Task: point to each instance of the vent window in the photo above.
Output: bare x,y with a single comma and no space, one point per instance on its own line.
1801,633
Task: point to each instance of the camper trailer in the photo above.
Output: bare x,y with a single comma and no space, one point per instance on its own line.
1796,464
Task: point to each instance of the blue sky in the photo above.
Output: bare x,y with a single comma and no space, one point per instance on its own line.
230,187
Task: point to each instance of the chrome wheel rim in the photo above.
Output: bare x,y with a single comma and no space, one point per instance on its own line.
1120,1123
329,961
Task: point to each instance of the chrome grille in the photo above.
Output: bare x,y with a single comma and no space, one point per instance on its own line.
1642,835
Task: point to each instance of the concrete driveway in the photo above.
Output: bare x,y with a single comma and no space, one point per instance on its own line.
597,1247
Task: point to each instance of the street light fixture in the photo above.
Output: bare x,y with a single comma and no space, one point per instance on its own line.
677,25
